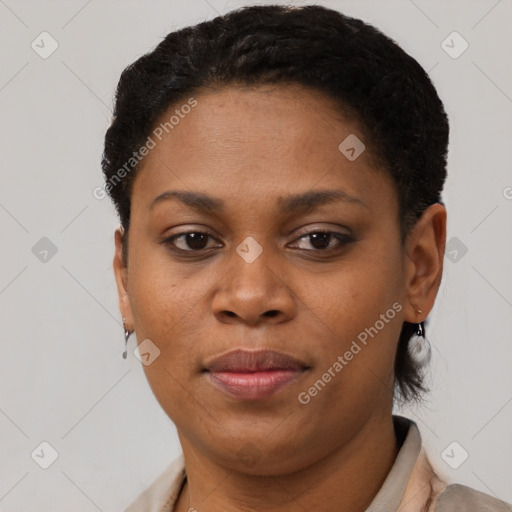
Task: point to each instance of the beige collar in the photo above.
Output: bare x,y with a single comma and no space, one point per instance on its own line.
412,484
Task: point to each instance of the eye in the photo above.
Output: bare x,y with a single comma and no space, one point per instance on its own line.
195,241
322,240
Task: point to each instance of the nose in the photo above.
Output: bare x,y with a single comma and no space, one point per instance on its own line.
253,292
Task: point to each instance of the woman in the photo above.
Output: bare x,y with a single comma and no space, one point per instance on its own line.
278,175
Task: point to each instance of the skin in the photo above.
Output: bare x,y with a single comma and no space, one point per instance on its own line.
250,147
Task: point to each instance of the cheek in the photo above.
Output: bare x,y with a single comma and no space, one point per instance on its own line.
166,312
357,313
168,304
162,292
353,296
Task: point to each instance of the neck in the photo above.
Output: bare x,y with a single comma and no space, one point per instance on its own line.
347,479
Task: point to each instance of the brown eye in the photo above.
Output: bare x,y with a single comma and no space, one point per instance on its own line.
192,241
325,240
320,240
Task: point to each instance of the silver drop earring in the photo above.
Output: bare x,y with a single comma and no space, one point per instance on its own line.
127,334
419,346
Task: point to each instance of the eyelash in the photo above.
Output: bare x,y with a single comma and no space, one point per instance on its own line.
342,238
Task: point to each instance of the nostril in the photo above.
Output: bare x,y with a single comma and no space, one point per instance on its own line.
272,313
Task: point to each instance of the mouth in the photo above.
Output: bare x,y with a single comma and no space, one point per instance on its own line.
253,375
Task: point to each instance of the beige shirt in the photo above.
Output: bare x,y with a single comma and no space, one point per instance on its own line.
411,484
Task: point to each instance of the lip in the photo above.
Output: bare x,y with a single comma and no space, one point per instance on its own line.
253,375
244,361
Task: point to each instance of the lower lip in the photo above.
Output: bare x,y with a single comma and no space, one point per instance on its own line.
255,385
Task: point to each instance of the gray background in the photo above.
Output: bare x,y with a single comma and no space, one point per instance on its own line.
62,376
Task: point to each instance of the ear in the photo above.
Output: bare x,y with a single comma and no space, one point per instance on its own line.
121,273
425,247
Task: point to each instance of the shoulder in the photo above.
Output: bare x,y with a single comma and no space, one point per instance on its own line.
460,498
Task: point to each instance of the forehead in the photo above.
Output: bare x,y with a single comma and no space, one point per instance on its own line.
255,143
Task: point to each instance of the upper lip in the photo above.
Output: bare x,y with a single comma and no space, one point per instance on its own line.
252,361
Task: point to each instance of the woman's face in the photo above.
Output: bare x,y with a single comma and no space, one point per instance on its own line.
255,273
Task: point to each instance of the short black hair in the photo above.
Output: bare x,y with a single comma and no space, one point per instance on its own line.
367,74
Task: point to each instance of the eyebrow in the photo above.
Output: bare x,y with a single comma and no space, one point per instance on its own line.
294,204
